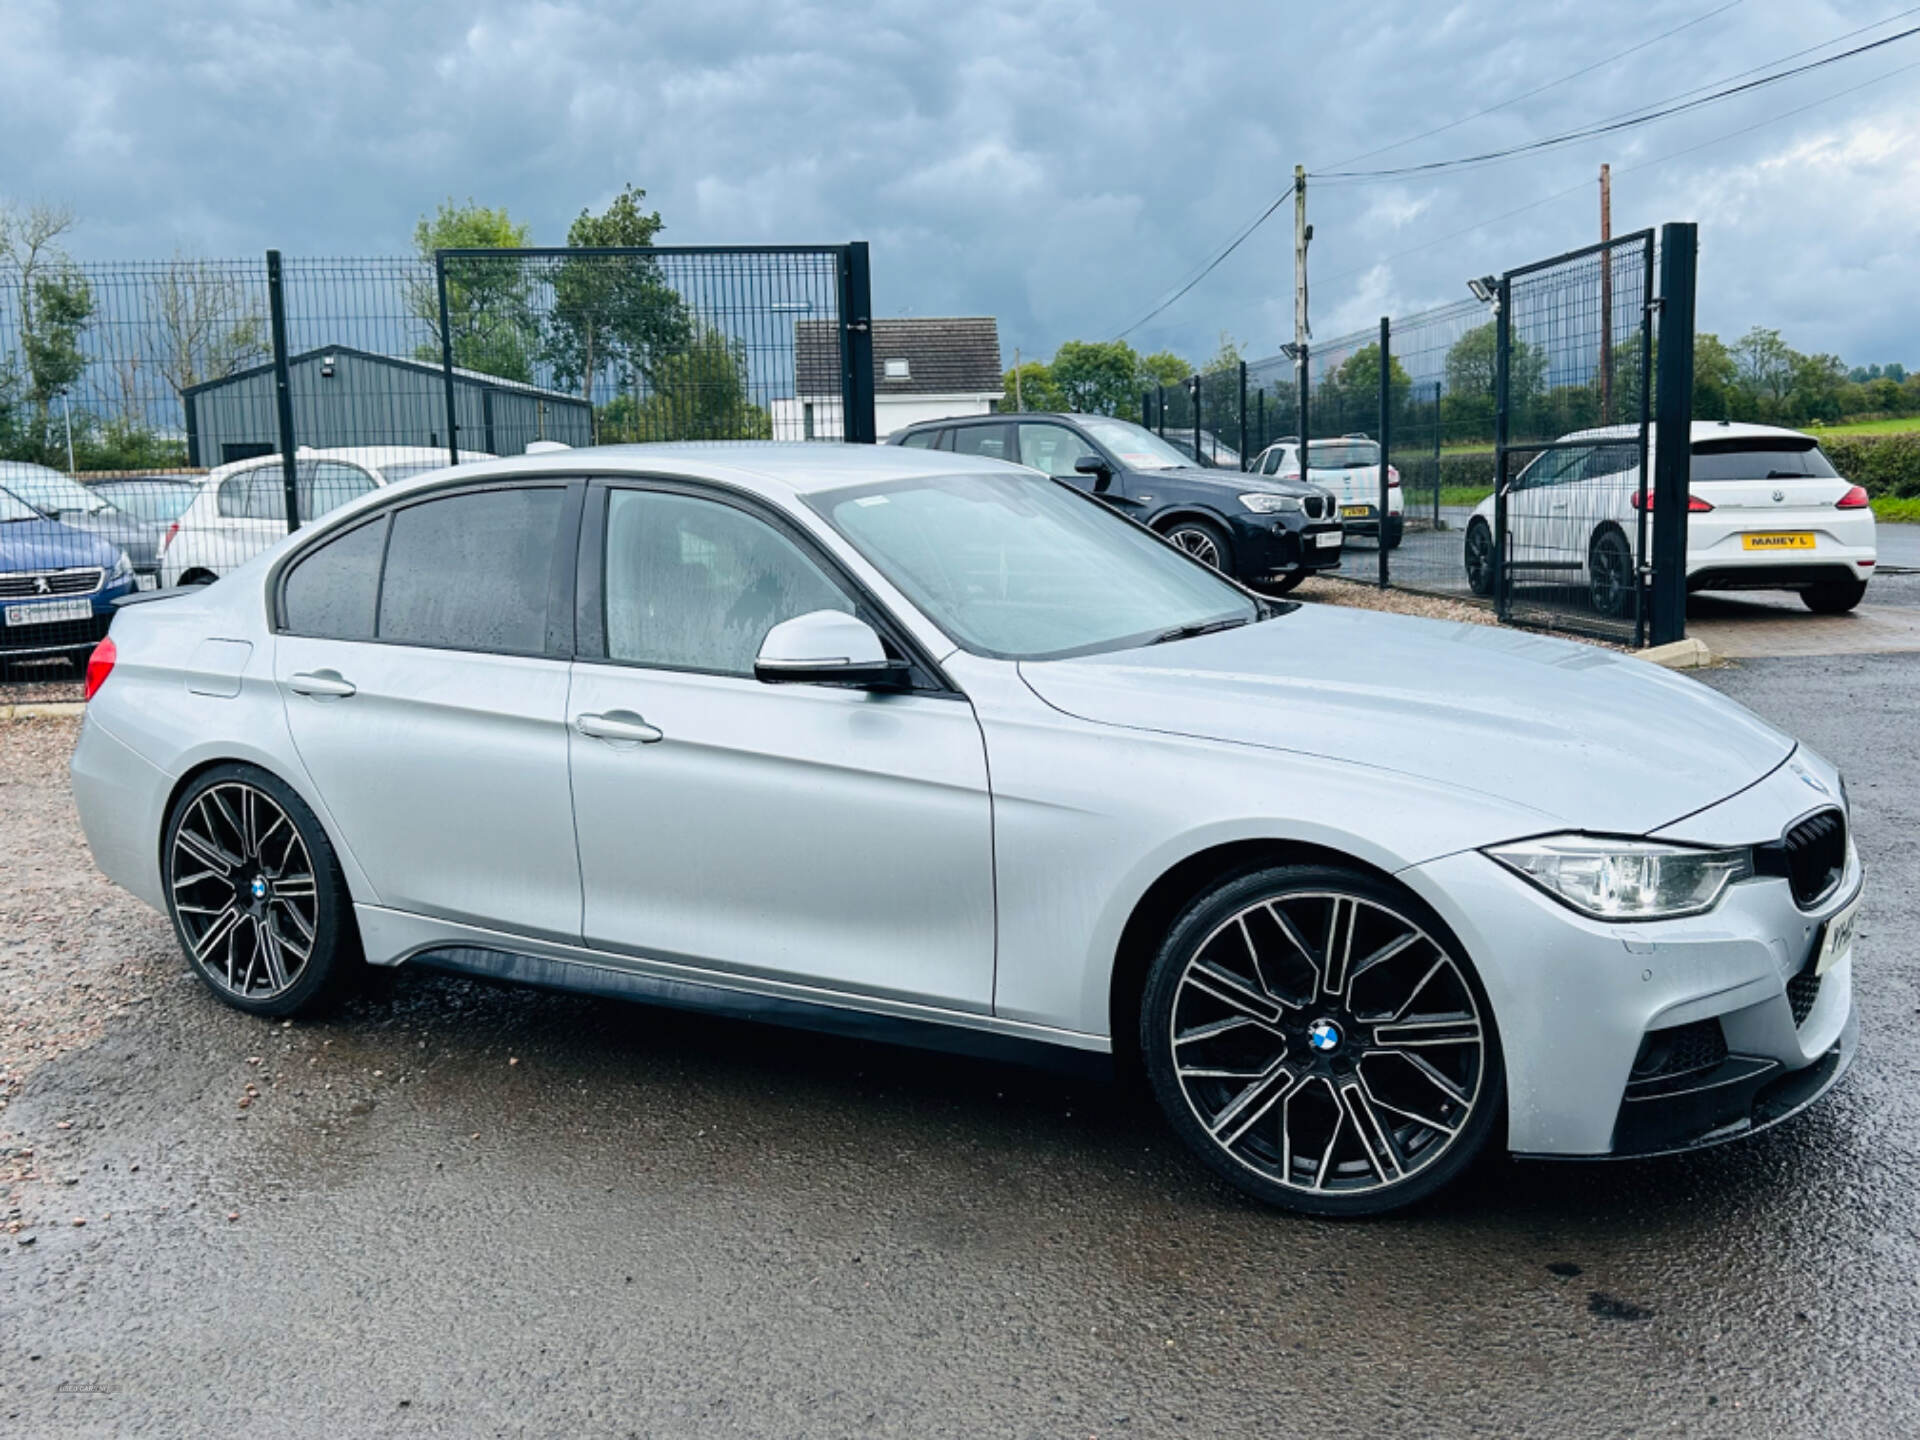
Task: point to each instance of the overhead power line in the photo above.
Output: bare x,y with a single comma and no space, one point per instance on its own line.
1551,84
1630,121
1233,245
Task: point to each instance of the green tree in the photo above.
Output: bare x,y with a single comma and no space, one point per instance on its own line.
55,305
1227,357
1097,377
1819,388
1466,410
1716,379
612,314
1765,365
1030,387
489,306
1163,367
698,392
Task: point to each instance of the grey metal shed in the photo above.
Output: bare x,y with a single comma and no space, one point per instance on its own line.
346,396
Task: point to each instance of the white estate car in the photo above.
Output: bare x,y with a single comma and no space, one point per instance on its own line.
1350,468
242,507
1767,511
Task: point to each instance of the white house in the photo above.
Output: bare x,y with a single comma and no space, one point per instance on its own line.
924,368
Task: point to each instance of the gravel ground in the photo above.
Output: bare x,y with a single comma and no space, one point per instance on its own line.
460,1209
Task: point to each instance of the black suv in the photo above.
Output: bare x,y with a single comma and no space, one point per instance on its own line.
1263,531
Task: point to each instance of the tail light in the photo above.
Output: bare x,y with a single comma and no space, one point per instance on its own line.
1645,502
1855,499
100,665
167,539
1393,478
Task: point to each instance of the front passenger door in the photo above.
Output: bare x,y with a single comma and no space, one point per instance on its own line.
814,834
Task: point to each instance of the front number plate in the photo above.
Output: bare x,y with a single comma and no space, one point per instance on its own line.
1836,940
1779,540
49,612
1327,539
1356,512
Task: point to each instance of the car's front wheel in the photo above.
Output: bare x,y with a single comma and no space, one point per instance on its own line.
1834,597
256,894
1204,541
1317,1037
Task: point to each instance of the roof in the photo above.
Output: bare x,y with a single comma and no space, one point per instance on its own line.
402,362
761,466
944,355
1702,430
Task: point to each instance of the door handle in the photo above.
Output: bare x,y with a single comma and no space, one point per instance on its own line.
618,725
328,683
1559,504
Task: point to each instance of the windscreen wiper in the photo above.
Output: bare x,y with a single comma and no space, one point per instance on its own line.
1205,627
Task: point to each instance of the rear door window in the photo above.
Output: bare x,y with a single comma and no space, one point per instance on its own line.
921,439
989,441
333,592
473,571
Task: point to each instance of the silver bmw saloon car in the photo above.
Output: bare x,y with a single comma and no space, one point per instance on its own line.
898,742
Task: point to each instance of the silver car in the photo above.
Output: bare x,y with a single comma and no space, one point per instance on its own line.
893,741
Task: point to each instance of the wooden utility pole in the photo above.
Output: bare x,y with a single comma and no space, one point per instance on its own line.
1302,233
1606,297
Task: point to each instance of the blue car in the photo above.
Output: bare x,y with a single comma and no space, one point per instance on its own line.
57,583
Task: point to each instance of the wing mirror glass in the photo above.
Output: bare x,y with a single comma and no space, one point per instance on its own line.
827,647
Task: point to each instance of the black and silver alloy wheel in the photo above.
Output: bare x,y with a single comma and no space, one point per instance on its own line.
1310,1033
1610,574
1480,557
1202,541
255,893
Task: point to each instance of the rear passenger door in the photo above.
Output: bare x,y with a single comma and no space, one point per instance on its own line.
423,659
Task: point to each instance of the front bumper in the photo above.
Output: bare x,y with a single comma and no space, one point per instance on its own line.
1270,547
59,637
1574,999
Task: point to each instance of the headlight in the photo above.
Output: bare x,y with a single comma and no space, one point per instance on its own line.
122,567
1265,502
1626,879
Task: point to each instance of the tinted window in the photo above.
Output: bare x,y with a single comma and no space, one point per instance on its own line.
695,585
1788,458
332,592
473,571
921,439
1272,465
987,440
1052,450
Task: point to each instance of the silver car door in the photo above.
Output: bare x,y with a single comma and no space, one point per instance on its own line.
809,833
431,714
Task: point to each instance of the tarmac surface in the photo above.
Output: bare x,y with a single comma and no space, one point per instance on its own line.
460,1210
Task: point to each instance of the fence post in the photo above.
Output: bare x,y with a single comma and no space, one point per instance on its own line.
1243,415
446,359
1386,437
1193,390
1502,355
1146,409
1673,426
858,427
1160,409
283,390
1436,454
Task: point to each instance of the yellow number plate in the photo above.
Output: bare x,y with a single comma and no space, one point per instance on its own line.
1355,512
1779,540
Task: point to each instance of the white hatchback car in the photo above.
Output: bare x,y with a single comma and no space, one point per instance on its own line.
242,507
1350,468
1767,511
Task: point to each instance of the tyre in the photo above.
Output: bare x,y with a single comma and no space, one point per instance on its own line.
1480,557
1317,1037
1204,541
1285,583
1396,527
1834,597
256,895
1610,577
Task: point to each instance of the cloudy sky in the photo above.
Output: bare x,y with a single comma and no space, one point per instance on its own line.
1061,164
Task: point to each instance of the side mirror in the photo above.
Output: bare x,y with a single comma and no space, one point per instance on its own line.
1093,465
826,647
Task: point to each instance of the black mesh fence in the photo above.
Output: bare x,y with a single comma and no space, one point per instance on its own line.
163,422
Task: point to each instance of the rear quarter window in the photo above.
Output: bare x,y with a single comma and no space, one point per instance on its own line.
333,591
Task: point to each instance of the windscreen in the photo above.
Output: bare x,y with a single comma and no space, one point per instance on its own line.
1022,568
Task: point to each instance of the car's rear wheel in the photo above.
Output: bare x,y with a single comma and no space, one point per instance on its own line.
1480,557
1204,541
1834,597
1318,1038
1610,574
256,894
